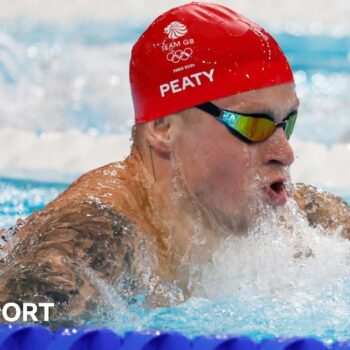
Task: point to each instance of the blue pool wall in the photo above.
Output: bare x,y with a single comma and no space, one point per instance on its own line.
32,337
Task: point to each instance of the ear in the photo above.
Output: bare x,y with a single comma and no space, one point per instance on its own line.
158,134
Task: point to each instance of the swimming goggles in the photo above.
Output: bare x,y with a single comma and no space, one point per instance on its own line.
250,128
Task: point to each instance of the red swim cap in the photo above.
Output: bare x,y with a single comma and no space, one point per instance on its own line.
200,52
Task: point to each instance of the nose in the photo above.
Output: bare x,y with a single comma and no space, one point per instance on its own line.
277,149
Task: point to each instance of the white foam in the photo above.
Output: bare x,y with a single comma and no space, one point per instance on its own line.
284,278
264,263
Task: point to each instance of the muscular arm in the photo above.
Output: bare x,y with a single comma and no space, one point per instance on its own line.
323,208
61,256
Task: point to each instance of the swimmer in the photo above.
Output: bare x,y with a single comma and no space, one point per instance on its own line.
215,105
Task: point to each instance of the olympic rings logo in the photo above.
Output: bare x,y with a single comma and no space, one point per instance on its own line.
179,55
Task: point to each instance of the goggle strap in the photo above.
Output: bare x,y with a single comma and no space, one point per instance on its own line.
210,108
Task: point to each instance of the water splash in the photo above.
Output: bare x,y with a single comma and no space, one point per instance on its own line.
278,259
283,279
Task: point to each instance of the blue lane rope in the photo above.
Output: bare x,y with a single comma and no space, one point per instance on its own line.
31,337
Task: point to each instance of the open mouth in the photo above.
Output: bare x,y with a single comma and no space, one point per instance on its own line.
276,192
277,186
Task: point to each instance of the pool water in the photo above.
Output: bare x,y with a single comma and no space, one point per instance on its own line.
253,298
19,198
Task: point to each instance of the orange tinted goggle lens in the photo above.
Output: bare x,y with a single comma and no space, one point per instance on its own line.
256,129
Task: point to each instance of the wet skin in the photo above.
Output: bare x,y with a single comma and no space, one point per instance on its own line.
226,175
124,221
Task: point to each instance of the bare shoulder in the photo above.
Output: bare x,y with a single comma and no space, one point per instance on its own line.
114,184
323,208
90,183
63,254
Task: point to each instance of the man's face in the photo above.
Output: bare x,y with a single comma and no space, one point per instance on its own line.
227,177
